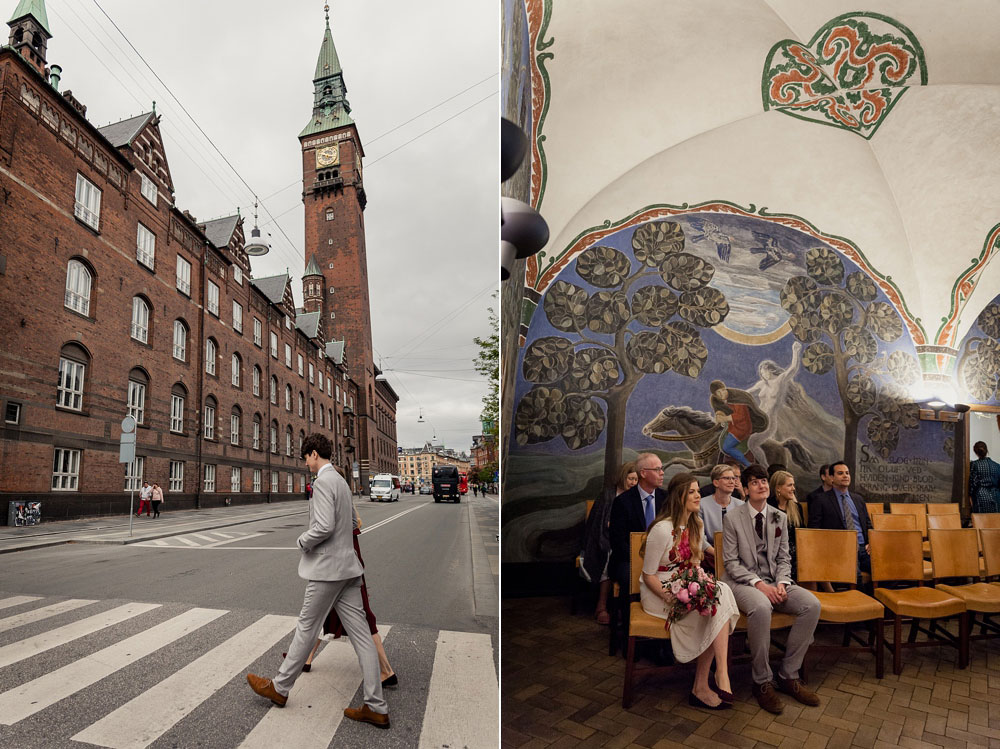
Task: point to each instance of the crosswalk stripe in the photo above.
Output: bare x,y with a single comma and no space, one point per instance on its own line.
18,651
6,603
187,541
33,696
230,540
462,662
222,535
203,537
36,615
316,704
163,705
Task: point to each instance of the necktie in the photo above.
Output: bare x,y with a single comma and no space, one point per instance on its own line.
648,501
760,525
849,523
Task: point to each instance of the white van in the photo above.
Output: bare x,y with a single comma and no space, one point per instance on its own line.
385,488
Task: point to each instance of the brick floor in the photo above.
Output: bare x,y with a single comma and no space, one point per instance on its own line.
560,688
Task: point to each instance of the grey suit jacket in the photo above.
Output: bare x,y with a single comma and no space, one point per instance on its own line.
328,544
739,546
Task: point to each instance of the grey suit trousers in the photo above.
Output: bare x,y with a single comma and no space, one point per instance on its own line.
345,597
801,604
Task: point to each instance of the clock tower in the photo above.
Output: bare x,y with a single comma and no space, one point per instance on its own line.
334,196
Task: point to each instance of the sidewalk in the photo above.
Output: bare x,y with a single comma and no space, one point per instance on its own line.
113,529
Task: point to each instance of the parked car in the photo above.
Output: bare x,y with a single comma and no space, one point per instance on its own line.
426,490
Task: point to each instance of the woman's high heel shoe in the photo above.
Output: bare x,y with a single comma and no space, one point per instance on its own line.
307,667
693,701
390,681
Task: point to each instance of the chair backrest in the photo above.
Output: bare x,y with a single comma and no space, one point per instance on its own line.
989,539
590,506
986,520
885,522
950,521
826,555
896,555
954,552
635,564
875,508
942,508
917,509
720,567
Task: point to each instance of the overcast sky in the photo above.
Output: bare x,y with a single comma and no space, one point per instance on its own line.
243,70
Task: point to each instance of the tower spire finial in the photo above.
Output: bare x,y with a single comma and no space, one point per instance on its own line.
326,10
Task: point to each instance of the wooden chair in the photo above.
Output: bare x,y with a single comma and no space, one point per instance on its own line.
986,520
955,553
942,508
950,521
804,506
897,557
640,624
989,542
885,522
832,556
918,510
875,508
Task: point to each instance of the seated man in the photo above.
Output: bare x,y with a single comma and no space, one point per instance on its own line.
826,483
755,553
632,512
837,509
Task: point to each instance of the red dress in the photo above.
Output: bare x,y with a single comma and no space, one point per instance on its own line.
332,625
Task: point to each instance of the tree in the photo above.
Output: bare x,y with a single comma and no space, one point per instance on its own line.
487,363
637,334
486,474
839,326
979,367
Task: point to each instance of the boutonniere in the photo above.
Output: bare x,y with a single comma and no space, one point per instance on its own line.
775,520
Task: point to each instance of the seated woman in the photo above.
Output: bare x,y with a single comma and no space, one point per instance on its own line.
597,544
783,497
674,541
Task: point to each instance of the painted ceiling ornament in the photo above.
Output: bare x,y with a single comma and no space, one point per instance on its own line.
850,74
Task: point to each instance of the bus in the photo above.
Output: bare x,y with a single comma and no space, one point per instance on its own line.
463,484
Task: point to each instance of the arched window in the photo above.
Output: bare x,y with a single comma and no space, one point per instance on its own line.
302,438
256,380
211,352
322,417
135,402
237,366
288,397
73,363
180,340
234,425
178,396
288,441
19,35
312,410
302,407
210,408
78,282
140,319
256,431
274,390
274,437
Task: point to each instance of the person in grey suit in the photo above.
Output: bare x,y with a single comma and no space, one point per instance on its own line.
758,565
333,571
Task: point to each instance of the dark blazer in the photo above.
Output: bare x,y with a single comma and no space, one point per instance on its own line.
815,494
825,512
627,517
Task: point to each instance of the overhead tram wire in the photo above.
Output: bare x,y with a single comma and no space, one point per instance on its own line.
449,315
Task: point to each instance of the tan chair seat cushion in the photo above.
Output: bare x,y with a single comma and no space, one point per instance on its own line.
923,603
641,624
977,596
848,606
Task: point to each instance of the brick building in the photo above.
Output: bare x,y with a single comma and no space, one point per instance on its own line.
416,464
118,302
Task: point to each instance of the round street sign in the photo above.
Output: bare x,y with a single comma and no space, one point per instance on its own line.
128,424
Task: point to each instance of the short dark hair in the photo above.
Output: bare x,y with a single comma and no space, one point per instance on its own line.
773,468
824,470
318,442
839,463
753,471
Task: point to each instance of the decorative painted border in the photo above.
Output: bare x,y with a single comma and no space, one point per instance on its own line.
964,286
539,15
539,280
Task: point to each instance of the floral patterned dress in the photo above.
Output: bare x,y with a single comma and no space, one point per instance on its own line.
691,635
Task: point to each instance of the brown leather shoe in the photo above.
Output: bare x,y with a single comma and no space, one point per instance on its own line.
265,688
767,698
799,691
366,715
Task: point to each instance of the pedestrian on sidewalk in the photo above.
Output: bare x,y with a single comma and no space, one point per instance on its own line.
145,495
333,573
157,499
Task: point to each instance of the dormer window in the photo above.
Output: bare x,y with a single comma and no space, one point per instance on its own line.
148,188
238,274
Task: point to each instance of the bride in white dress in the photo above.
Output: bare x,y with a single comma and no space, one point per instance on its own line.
674,540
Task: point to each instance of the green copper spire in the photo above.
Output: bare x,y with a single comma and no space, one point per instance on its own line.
34,8
330,106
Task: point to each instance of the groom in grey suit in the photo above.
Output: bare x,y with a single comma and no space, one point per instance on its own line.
759,567
334,572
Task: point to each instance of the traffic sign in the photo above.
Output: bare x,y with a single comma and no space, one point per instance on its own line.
126,448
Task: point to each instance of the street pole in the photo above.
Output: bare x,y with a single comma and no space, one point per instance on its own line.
131,495
126,455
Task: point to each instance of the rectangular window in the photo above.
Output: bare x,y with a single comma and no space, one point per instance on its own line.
319,380
148,188
209,422
12,413
213,298
274,481
288,483
183,276
176,476
145,246
300,365
176,413
237,317
288,323
238,275
234,479
140,320
328,386
88,202
209,485
65,470
288,356
302,483
338,392
70,391
256,479
288,444
256,435
274,345
133,474
258,330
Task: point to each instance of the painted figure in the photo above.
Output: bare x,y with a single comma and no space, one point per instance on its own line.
737,410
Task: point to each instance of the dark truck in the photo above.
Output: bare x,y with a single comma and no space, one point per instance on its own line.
445,481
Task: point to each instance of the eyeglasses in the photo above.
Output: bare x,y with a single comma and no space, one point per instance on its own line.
658,469
726,478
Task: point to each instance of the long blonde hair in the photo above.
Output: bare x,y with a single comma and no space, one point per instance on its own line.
673,509
792,508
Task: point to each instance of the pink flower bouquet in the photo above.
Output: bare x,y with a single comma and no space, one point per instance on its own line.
691,588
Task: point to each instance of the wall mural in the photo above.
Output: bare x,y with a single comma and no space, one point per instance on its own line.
979,357
710,337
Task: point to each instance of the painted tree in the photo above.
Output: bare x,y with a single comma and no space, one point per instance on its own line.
838,320
637,331
979,366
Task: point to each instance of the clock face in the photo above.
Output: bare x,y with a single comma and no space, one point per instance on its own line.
328,156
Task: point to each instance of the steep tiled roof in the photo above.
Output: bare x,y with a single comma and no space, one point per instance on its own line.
273,287
308,323
335,351
219,231
123,133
